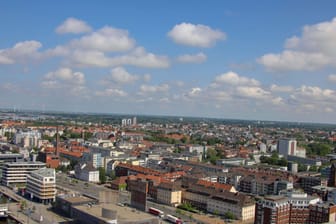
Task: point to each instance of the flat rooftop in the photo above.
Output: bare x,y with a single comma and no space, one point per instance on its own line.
76,198
124,214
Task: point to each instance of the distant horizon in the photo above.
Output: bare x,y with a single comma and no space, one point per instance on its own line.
162,115
273,61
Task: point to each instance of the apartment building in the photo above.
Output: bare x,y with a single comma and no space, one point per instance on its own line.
273,209
291,208
94,158
169,194
240,205
322,213
41,185
220,201
86,172
14,173
307,182
287,147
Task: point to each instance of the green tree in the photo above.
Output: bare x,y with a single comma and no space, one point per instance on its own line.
184,139
302,167
102,175
313,168
23,205
112,175
211,155
8,135
229,215
320,149
122,187
282,162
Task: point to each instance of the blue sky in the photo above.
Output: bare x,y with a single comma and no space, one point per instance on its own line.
265,60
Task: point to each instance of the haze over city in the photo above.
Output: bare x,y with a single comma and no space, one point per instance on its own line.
265,60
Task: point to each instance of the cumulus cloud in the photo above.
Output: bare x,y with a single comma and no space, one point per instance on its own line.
332,78
192,58
107,47
141,58
313,99
252,92
21,52
137,57
63,77
314,49
233,78
294,61
194,92
120,75
73,25
286,89
147,77
106,39
5,59
314,93
111,92
153,88
195,35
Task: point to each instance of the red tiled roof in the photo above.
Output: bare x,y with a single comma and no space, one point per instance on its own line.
215,185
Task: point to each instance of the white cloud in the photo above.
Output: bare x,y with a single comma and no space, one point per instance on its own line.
147,77
285,89
120,75
332,78
107,47
73,25
313,99
278,101
153,89
252,92
84,58
194,92
195,35
164,100
314,93
21,52
329,110
192,58
63,77
293,61
111,92
5,59
315,49
233,78
137,57
107,39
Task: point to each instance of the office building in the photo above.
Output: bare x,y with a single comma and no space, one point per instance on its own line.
41,185
14,173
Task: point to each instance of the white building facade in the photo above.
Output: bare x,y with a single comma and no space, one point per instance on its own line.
41,185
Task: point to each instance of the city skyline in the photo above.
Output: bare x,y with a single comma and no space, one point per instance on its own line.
238,60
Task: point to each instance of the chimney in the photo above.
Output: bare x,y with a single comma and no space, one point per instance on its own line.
57,141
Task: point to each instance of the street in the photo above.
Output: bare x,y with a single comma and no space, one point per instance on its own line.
37,212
